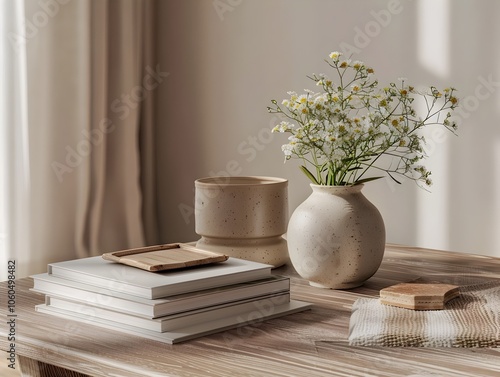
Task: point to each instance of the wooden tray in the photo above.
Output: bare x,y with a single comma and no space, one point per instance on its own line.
165,257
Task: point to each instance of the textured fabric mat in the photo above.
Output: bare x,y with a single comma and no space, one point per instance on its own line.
471,320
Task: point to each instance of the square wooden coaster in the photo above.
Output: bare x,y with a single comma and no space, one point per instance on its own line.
165,257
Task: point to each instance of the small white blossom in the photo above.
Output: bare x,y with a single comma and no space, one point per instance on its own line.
302,98
320,99
358,64
287,150
282,127
335,55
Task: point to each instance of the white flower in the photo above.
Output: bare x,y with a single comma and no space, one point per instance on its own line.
302,98
345,63
293,96
367,123
324,135
287,150
320,98
358,64
282,127
335,55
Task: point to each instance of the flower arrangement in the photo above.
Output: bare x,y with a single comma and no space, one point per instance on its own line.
352,126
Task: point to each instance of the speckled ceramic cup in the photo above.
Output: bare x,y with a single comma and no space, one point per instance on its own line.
243,217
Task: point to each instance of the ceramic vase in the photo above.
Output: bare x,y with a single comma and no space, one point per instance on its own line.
243,217
336,237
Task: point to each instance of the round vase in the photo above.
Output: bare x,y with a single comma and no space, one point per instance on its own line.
243,217
336,237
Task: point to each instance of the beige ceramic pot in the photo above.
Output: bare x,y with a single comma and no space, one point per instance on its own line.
336,237
243,217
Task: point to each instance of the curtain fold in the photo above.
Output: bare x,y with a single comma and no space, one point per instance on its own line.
116,196
15,243
90,130
147,134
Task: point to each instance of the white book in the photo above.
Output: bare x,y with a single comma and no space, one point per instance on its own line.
137,282
149,308
186,333
175,321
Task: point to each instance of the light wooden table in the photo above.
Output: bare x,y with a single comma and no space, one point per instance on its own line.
311,343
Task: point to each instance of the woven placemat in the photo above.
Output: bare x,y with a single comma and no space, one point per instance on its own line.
471,320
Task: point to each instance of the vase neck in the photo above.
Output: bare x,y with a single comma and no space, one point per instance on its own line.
337,190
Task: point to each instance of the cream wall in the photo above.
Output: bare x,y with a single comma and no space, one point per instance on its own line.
227,59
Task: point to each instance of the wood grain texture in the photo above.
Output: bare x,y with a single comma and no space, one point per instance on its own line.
312,343
34,368
5,371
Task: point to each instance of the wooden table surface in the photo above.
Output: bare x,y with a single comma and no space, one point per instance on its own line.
311,343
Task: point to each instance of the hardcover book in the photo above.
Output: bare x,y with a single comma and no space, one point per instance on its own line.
172,322
185,333
149,308
152,285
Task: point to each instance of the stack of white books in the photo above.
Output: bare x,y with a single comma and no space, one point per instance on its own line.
168,306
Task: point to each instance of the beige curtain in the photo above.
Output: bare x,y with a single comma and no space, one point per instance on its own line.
14,148
91,80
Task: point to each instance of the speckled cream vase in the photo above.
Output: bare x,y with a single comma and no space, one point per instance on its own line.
243,217
336,237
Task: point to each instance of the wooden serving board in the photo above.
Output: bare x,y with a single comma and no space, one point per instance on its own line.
165,257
